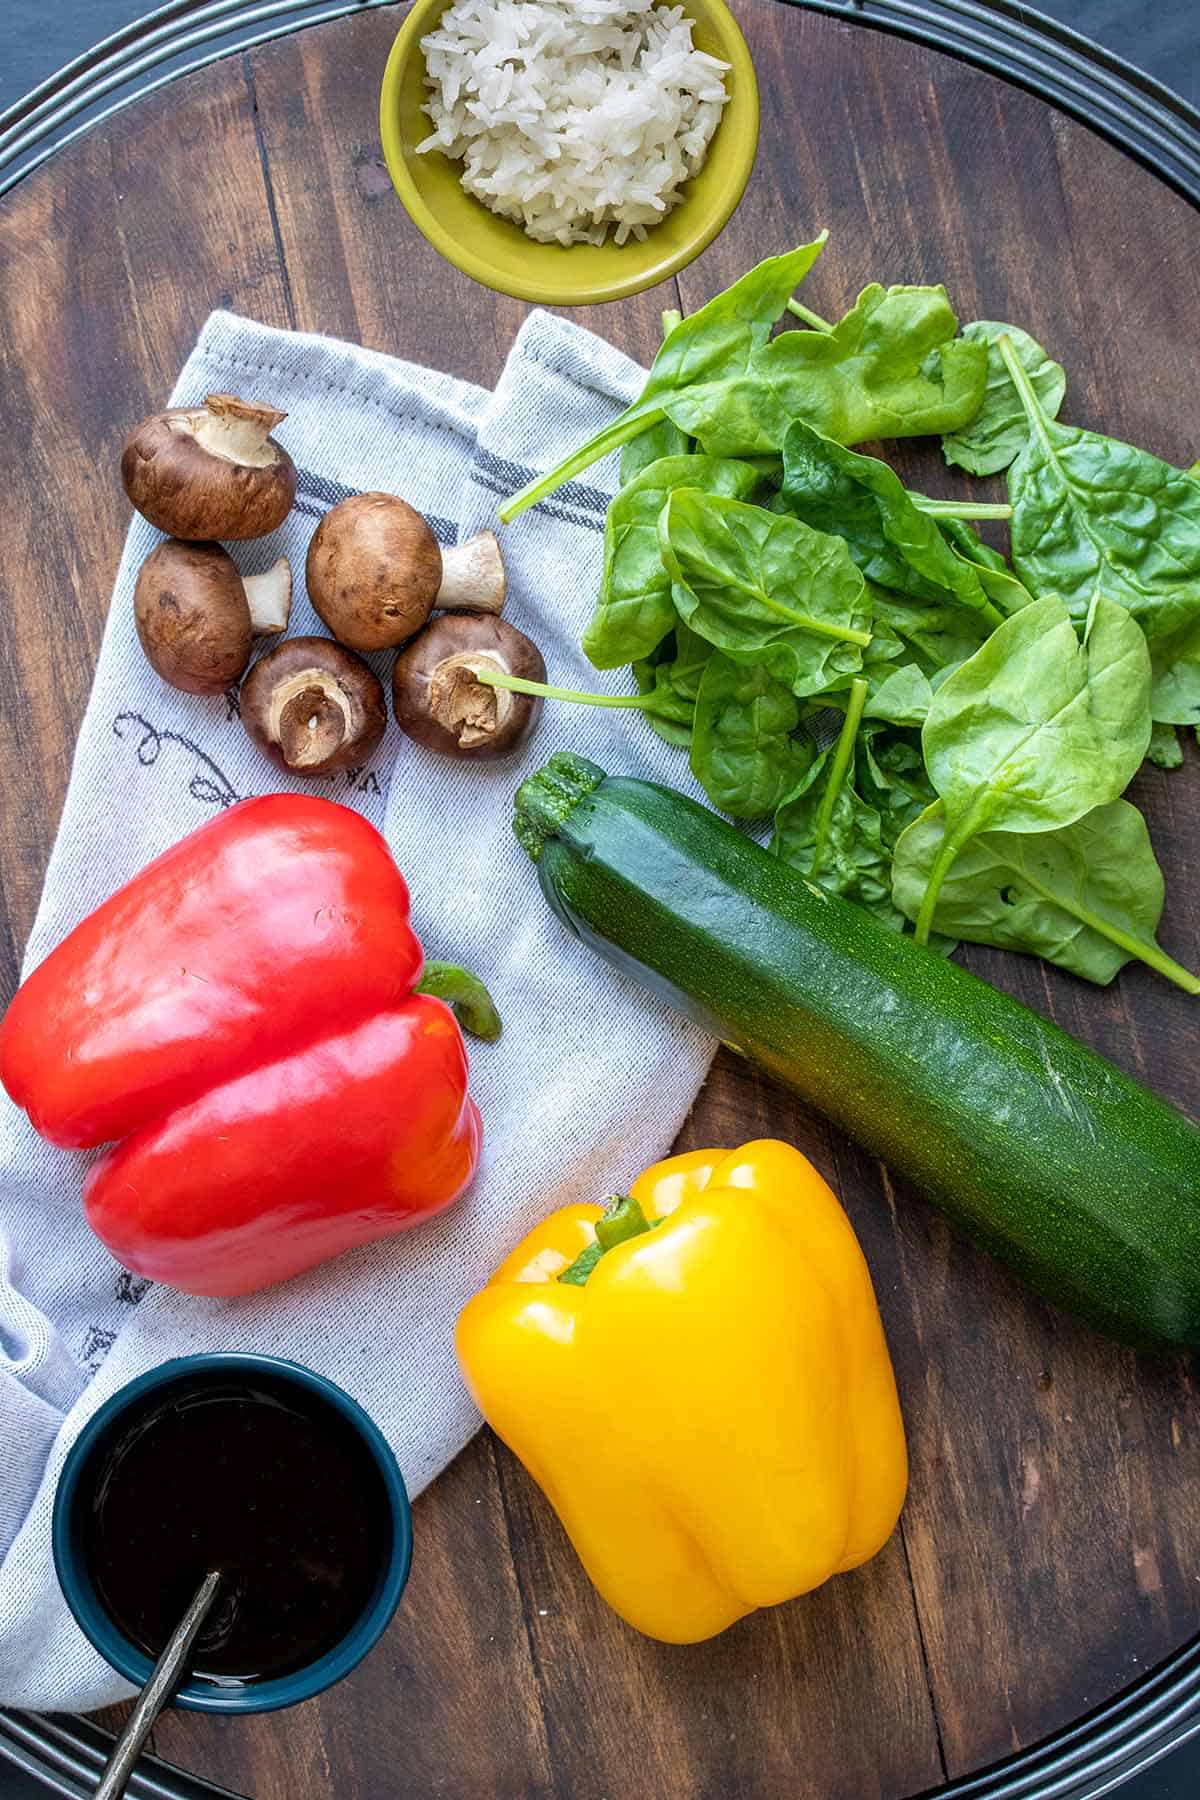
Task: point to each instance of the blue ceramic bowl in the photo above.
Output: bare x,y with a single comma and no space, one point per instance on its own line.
74,1492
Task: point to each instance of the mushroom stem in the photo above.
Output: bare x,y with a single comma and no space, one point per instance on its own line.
472,576
269,597
237,430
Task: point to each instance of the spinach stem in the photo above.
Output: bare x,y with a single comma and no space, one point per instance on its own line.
837,773
961,509
1025,391
942,862
1149,953
516,684
845,634
800,311
611,438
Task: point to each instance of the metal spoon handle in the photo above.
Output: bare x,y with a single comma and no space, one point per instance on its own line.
157,1691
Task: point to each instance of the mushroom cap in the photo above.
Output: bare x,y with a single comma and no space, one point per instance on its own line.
313,706
211,471
192,616
373,572
437,700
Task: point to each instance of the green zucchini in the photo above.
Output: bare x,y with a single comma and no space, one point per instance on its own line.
1085,1183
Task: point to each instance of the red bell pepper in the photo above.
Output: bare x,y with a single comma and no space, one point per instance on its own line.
242,1015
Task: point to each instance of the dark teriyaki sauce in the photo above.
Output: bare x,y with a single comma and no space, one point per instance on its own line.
256,1477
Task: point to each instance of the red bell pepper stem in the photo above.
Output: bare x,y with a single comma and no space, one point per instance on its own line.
466,997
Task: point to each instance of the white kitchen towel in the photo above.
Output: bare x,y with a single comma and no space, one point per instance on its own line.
592,1078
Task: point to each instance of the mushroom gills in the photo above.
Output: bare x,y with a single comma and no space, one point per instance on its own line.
443,692
472,712
312,726
314,706
310,717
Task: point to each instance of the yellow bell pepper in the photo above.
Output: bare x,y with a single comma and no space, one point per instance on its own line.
709,1403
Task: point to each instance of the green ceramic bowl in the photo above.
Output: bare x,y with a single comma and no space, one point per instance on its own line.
497,252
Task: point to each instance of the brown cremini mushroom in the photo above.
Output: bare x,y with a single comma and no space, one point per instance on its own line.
439,700
313,706
197,615
210,471
375,572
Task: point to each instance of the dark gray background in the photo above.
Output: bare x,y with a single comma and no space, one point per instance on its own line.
1160,36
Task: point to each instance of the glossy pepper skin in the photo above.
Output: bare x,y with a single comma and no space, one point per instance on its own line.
241,1017
347,1140
713,1414
280,920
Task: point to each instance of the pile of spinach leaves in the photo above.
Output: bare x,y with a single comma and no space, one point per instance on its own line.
934,734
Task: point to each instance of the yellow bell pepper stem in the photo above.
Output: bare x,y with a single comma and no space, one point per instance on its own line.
622,1218
767,1451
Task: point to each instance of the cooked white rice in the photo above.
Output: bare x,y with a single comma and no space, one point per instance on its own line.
572,117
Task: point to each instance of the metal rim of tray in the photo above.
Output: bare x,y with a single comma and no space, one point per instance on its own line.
1159,129
1145,119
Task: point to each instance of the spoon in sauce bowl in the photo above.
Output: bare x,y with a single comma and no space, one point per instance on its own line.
258,1468
164,1679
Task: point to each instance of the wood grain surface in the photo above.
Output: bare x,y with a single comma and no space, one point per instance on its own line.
1049,1551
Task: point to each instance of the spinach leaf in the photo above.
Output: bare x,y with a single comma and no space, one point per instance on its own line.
1166,751
996,578
743,753
999,429
838,829
1036,728
898,690
634,610
709,347
967,541
657,441
841,772
765,589
892,367
840,824
672,674
824,829
856,863
936,638
650,446
892,779
1175,658
1087,896
828,832
1093,516
902,696
862,500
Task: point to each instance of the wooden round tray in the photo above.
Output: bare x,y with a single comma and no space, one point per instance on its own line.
1047,1556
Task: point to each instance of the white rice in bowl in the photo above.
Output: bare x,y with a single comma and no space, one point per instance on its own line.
572,117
